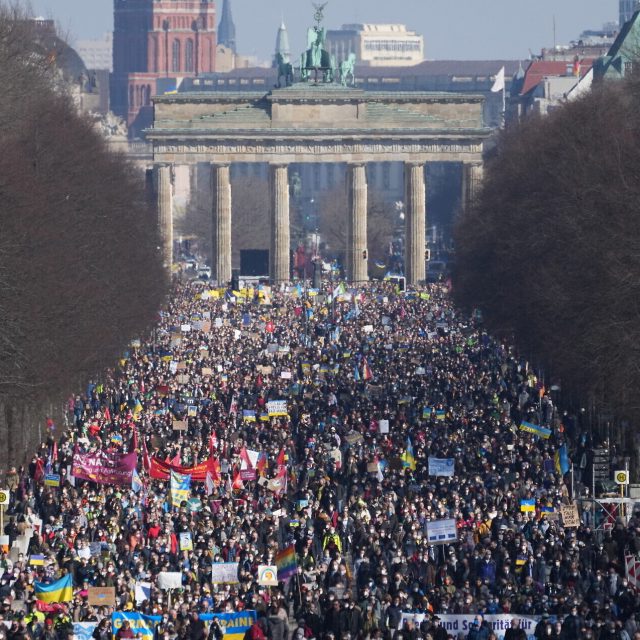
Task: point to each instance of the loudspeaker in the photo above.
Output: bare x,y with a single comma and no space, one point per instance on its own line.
235,279
317,275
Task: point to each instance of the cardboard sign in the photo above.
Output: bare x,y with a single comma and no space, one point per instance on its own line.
102,596
570,516
182,378
206,371
170,580
180,425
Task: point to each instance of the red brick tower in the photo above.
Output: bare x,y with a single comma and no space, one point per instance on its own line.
154,43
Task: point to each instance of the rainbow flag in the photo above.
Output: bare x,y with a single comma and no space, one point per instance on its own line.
286,563
367,374
58,591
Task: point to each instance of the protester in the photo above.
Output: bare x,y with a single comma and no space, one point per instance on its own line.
332,484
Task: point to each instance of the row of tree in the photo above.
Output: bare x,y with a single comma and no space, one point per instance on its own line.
551,250
80,270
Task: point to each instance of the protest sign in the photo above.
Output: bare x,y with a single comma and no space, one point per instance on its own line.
84,630
52,480
442,531
268,575
277,408
170,580
570,515
383,426
186,542
102,596
224,573
180,425
442,467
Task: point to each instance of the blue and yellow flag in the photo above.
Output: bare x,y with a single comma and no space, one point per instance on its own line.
562,460
537,430
180,488
528,506
408,459
58,591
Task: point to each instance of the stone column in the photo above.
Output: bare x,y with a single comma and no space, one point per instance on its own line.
164,205
472,175
357,253
221,205
415,223
280,251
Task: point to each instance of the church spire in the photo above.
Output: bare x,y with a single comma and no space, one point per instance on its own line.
226,28
282,43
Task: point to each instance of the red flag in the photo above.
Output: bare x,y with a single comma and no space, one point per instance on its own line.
177,460
38,474
282,457
237,485
133,445
269,327
261,465
54,451
146,462
212,478
107,414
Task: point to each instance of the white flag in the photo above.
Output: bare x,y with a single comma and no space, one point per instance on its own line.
142,592
498,84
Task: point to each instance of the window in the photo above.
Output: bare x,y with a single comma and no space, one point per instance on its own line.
188,56
176,56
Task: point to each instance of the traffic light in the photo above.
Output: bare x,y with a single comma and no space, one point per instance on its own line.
365,255
427,255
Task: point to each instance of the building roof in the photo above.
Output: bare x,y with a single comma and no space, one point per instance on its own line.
538,70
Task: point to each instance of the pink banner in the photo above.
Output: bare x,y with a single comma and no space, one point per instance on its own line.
105,468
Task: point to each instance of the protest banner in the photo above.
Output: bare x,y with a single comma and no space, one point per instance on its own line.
234,625
105,468
442,467
160,470
442,531
140,624
456,624
102,596
277,408
224,573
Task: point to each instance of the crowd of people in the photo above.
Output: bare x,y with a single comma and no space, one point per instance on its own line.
376,382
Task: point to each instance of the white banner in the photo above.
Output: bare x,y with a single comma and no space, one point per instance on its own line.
170,580
443,467
442,531
499,623
224,573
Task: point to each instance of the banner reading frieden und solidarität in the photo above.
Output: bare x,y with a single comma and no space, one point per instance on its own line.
104,468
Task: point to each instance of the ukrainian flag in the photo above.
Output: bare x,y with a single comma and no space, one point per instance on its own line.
562,460
58,591
528,506
408,459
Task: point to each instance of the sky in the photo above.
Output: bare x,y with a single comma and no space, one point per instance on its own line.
452,29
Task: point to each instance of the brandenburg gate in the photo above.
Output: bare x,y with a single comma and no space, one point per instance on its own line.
321,123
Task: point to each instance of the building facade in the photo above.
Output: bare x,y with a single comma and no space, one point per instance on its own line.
156,43
626,10
375,45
